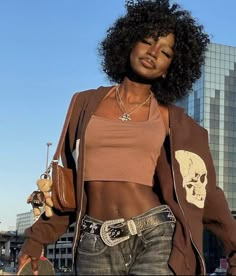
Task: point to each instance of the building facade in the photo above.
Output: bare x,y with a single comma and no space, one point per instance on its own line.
23,221
213,105
60,253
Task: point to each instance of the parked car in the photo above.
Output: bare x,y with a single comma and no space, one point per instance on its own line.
64,269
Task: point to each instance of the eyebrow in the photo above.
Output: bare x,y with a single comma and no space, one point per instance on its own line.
168,45
158,39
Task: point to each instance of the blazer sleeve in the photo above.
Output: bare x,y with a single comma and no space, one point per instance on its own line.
217,216
48,230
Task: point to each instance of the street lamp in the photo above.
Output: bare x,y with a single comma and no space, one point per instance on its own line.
16,240
48,145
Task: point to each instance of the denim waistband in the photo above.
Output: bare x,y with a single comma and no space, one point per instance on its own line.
151,211
118,230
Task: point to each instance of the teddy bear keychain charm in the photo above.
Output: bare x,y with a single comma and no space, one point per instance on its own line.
44,184
40,199
36,199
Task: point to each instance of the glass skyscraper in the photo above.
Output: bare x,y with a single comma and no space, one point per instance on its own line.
213,105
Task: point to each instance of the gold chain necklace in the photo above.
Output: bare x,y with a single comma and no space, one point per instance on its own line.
126,115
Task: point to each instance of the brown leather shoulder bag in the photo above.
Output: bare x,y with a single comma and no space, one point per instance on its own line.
63,190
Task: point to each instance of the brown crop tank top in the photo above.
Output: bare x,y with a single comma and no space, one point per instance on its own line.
124,151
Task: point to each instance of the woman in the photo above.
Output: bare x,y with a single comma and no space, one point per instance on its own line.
135,155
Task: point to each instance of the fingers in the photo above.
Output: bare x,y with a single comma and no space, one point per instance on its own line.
34,265
23,258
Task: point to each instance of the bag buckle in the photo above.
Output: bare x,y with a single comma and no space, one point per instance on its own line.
114,232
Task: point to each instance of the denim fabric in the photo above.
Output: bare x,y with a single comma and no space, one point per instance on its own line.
143,254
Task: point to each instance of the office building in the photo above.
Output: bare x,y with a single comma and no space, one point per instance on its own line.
23,221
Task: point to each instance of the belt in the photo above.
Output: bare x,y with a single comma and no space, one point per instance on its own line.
116,231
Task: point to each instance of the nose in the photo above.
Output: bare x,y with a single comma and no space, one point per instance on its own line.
153,51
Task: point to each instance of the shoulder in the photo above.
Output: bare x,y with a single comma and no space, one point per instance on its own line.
179,118
93,92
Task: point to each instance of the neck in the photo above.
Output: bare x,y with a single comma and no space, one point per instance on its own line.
133,91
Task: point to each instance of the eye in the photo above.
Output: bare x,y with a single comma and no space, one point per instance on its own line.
146,41
166,54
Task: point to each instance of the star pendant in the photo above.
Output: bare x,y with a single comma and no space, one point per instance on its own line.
125,117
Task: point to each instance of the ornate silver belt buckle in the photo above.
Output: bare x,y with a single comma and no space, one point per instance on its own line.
110,232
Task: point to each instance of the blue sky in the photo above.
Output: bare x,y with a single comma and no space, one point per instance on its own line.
48,51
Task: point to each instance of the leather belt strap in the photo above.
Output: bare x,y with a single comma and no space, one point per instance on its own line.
115,231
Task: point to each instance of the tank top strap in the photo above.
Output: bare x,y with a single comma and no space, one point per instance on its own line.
154,112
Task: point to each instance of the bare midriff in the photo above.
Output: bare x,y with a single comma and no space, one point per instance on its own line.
112,200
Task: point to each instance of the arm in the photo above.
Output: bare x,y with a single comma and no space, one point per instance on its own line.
45,231
48,230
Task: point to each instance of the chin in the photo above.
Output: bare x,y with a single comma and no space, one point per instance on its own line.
133,76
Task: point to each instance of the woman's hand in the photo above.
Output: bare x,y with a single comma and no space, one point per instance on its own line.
23,258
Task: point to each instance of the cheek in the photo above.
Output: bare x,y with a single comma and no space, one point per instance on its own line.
164,65
133,60
133,55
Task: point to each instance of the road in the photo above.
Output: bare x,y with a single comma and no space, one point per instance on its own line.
8,271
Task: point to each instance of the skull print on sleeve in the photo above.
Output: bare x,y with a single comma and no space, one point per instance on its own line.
194,173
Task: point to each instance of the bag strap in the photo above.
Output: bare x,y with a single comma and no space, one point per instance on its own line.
64,130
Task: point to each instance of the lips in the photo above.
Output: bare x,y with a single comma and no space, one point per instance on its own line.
148,63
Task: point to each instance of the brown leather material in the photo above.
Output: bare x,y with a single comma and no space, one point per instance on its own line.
63,191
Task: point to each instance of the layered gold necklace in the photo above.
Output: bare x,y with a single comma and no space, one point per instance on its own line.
126,115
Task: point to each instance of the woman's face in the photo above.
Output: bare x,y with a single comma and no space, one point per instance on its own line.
150,59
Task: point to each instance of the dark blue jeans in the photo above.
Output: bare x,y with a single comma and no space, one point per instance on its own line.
144,254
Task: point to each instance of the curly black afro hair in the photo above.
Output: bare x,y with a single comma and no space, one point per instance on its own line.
152,18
